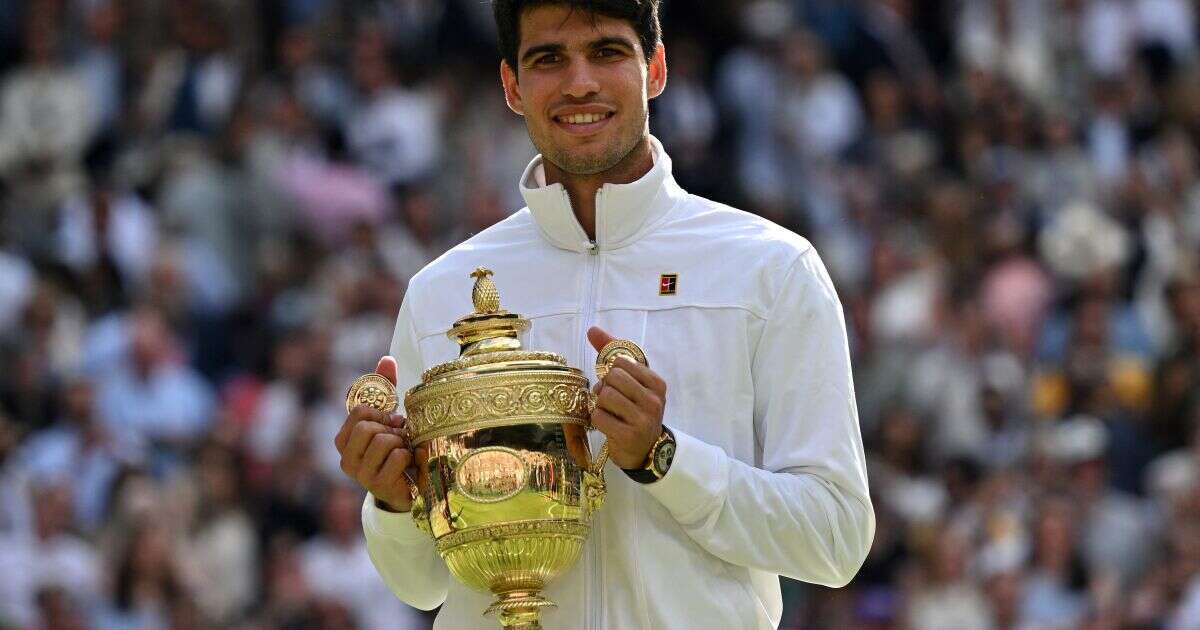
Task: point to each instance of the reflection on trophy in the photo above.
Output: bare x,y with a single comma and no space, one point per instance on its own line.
509,485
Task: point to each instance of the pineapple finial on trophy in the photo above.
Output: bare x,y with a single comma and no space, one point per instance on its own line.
489,328
484,295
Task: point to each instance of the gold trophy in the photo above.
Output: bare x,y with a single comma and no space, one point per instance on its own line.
506,483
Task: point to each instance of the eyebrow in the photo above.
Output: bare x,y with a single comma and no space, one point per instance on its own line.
611,40
540,49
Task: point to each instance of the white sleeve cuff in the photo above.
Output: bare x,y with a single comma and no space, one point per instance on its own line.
697,481
395,526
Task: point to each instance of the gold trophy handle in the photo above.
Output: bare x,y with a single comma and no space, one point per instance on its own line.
376,391
597,466
601,459
604,362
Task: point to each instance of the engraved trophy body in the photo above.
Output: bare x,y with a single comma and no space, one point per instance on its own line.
507,484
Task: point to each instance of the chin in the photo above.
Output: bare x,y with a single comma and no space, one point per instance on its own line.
585,163
585,155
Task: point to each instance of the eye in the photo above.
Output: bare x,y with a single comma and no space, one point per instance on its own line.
547,59
607,52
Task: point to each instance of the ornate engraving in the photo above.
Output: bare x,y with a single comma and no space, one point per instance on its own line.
514,529
506,356
607,356
373,390
535,396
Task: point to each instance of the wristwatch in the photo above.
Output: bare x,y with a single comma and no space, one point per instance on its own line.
658,461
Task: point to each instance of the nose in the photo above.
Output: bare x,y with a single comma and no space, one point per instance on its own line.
580,81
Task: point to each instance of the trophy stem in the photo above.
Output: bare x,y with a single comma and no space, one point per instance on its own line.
519,610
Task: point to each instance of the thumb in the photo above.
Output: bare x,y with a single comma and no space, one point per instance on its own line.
598,337
387,368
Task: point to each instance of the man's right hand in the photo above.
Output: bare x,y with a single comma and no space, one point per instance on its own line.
374,451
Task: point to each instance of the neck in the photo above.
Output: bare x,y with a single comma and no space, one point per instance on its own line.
582,188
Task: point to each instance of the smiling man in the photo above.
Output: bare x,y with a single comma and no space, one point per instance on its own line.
738,457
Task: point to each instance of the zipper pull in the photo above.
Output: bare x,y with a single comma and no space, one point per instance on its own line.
592,246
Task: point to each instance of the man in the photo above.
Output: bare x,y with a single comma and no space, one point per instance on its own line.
749,379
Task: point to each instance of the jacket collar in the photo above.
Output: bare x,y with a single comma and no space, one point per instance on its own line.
624,212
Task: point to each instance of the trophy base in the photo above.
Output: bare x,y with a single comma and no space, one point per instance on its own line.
519,610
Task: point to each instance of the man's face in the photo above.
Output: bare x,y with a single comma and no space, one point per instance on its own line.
582,84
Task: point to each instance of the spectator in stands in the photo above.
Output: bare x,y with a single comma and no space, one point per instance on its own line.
51,555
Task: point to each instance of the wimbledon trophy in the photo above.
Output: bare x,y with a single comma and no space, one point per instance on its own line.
506,483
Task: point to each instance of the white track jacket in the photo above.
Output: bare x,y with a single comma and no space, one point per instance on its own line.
769,476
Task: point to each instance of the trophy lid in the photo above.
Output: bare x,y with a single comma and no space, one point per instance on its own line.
494,381
488,338
490,328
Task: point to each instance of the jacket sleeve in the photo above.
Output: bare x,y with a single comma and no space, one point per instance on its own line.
404,556
806,512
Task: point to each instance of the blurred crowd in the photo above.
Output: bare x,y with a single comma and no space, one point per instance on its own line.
209,210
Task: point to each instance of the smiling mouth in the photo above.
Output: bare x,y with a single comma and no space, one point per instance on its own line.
583,119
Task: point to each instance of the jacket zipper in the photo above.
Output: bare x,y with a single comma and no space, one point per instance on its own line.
595,580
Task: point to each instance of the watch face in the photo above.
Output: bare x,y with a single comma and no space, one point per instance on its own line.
663,457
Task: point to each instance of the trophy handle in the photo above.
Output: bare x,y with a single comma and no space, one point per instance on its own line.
594,487
605,358
420,510
420,514
597,467
375,390
601,459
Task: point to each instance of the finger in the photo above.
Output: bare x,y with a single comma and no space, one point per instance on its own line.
397,422
358,414
644,375
392,484
421,460
360,437
421,455
343,435
387,368
377,451
618,404
598,337
625,383
611,426
392,471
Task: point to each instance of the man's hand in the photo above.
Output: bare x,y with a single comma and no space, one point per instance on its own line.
374,451
629,407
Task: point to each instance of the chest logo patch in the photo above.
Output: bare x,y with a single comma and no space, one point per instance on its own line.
667,282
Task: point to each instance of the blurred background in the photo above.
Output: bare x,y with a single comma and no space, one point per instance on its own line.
209,211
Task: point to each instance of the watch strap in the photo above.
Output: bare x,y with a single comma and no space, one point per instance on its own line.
647,473
640,475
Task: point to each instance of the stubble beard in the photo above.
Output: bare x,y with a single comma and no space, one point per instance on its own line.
576,163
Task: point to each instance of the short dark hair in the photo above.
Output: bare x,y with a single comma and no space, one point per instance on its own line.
642,14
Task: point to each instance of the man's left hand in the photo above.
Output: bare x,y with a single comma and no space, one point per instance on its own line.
629,406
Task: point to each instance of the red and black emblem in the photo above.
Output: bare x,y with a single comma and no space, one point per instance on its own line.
666,283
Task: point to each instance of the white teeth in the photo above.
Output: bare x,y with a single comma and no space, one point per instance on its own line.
582,119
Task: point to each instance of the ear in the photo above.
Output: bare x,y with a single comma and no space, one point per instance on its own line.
656,72
512,93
